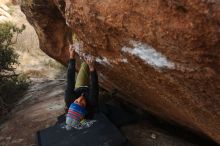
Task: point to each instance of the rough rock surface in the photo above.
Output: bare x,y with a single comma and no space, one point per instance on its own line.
162,55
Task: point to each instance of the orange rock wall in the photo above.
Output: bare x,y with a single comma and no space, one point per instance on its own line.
161,55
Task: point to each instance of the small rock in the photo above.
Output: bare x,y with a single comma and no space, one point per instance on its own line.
8,138
153,136
17,140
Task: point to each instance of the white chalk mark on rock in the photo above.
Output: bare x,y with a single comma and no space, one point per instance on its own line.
101,60
149,55
77,47
124,60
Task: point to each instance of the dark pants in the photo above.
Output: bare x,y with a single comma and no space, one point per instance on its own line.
86,82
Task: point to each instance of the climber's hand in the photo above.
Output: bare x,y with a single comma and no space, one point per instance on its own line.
90,61
72,51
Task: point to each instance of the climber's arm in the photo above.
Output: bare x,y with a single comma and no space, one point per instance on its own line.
69,92
94,86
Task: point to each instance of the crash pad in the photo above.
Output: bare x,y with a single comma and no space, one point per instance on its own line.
101,133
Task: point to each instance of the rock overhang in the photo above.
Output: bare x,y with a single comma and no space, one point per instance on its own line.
161,55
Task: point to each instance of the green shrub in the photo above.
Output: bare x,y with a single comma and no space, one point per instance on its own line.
11,83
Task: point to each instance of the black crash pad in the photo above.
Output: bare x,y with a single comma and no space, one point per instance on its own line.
118,116
101,133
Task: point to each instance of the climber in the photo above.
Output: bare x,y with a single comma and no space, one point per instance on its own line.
81,100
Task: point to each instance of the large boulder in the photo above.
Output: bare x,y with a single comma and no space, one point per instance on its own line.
161,55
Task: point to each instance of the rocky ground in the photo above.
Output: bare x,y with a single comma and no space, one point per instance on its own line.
43,103
37,110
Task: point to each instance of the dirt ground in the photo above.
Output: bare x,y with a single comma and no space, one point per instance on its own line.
145,134
37,110
43,103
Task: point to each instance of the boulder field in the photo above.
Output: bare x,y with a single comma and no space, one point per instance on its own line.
161,55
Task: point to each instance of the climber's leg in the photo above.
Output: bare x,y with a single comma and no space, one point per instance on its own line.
83,76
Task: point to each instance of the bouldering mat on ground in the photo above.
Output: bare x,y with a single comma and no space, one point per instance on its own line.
101,133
